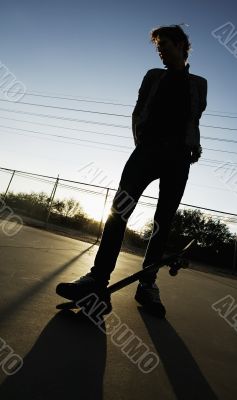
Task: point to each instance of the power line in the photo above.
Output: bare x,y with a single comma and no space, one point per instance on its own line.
108,144
81,99
73,138
219,139
200,163
65,118
89,131
65,137
91,122
64,127
95,112
99,123
219,161
210,166
224,112
219,127
217,115
63,141
68,109
221,151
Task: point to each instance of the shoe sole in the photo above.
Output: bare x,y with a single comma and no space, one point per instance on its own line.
70,292
159,313
72,305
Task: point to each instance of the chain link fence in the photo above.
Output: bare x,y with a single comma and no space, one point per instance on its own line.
79,210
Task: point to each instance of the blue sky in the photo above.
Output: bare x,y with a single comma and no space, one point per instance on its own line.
100,51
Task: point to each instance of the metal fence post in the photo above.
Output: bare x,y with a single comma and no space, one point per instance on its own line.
51,200
5,194
234,266
102,216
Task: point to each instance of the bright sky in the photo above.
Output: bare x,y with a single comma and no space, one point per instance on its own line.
99,51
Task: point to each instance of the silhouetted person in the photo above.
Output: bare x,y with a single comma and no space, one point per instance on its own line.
165,124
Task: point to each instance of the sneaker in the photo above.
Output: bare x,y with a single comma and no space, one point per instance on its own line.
83,286
148,295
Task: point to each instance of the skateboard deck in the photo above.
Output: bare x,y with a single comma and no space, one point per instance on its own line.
174,261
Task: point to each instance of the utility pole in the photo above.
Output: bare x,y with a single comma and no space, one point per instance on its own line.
51,200
235,256
102,216
5,194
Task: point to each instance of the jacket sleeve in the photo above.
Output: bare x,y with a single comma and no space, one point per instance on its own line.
192,132
203,95
142,97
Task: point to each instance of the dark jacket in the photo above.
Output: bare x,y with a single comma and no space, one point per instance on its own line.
150,87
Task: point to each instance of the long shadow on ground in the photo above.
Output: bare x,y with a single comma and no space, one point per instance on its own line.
66,362
34,289
183,372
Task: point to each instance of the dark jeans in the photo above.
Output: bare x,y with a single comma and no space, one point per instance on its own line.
144,165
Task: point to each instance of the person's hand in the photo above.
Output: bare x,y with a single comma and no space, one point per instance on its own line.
196,153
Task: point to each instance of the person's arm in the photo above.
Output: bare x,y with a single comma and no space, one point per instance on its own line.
196,148
142,97
203,95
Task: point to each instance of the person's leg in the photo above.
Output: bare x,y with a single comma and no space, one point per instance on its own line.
138,172
172,185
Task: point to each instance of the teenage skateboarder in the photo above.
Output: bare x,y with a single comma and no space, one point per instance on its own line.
165,124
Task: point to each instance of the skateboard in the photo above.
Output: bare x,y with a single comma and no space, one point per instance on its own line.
173,261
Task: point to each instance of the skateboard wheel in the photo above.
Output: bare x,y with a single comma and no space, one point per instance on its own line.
173,272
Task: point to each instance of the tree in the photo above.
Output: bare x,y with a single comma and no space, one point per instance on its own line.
72,207
208,231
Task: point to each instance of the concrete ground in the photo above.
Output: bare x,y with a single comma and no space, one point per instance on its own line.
65,355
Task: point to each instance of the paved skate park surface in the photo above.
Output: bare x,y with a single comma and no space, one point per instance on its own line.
68,356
